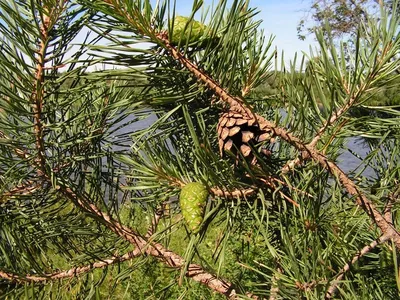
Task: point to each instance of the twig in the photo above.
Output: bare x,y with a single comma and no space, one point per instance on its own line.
335,283
292,187
38,92
74,272
291,164
392,198
155,220
23,189
232,194
194,271
283,195
332,120
247,192
273,295
347,183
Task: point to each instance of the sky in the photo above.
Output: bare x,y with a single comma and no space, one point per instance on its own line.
280,19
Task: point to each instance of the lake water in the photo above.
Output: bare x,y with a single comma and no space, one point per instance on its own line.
347,161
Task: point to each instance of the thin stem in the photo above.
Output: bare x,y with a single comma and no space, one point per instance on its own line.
194,271
158,214
38,92
232,194
71,273
274,291
335,283
21,190
347,183
336,115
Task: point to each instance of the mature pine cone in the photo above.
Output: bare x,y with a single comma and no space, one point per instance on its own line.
235,128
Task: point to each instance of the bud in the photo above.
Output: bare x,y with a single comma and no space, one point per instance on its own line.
189,32
193,199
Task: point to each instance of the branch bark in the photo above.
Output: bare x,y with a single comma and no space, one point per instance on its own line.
335,283
195,271
71,273
274,291
38,92
23,189
385,227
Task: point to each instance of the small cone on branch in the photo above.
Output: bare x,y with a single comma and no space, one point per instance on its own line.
240,131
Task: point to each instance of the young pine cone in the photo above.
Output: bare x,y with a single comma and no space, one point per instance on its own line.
241,131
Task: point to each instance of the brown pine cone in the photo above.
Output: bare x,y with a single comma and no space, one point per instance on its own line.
240,130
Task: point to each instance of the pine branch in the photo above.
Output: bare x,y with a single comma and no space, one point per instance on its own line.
86,194
158,214
335,283
385,227
274,291
38,91
143,246
194,271
232,194
23,189
71,273
371,210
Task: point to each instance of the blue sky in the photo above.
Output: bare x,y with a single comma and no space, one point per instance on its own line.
280,19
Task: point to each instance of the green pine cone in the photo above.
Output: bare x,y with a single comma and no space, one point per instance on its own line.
193,199
193,33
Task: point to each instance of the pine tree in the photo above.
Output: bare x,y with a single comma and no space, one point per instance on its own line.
165,169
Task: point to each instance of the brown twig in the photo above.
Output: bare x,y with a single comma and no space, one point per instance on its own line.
232,194
73,272
292,187
23,189
270,183
347,183
336,115
248,192
335,283
158,214
194,271
274,291
38,92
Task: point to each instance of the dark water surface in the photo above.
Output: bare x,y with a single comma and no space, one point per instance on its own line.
348,160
